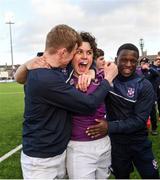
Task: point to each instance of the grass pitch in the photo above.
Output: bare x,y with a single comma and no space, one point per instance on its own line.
11,118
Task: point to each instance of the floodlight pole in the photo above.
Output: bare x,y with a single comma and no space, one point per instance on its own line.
10,32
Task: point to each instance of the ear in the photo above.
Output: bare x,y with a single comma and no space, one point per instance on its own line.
62,52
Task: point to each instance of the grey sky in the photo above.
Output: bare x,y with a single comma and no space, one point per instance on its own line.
112,22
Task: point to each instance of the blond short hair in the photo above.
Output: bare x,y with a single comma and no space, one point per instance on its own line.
62,36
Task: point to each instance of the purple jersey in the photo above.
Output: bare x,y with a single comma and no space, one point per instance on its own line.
81,122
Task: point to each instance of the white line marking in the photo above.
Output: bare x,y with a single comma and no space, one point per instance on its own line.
10,153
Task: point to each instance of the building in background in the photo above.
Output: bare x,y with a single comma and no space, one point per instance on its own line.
7,72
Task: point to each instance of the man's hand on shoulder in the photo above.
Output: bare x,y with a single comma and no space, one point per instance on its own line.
37,62
22,72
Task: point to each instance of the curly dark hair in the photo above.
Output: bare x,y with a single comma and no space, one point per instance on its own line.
87,37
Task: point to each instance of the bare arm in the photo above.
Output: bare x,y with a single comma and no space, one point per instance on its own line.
22,72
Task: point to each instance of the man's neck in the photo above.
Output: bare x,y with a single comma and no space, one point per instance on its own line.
52,60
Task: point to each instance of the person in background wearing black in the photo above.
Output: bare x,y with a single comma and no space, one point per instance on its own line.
156,65
151,73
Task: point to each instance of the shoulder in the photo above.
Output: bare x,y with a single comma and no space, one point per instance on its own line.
146,83
46,75
145,87
142,81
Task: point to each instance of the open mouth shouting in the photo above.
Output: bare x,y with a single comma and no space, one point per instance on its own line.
83,59
83,66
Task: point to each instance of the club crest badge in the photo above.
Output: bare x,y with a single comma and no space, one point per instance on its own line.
71,82
131,92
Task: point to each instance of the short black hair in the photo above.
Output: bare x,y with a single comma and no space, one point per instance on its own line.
128,46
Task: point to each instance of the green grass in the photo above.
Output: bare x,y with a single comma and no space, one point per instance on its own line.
11,168
11,117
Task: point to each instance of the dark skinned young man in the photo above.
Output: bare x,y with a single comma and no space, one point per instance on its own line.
128,107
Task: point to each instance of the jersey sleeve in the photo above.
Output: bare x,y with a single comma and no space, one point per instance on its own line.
58,93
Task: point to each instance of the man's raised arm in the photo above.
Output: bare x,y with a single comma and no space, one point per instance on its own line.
22,72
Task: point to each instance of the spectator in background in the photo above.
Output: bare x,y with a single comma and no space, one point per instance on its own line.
128,107
151,73
100,62
156,65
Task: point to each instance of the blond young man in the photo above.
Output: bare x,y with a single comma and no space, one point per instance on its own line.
49,103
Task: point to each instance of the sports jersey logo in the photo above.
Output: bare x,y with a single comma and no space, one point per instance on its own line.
71,82
131,92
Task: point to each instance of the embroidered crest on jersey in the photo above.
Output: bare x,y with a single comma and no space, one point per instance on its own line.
131,92
71,82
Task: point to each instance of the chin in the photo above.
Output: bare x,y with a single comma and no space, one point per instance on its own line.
80,73
127,74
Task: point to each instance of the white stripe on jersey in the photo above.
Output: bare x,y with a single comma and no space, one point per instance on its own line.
122,97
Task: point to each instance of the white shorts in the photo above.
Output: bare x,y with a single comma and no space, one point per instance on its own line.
89,159
43,168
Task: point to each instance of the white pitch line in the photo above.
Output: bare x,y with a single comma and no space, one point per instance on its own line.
10,153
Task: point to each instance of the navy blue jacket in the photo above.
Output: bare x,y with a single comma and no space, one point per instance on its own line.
49,102
152,74
128,107
157,82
